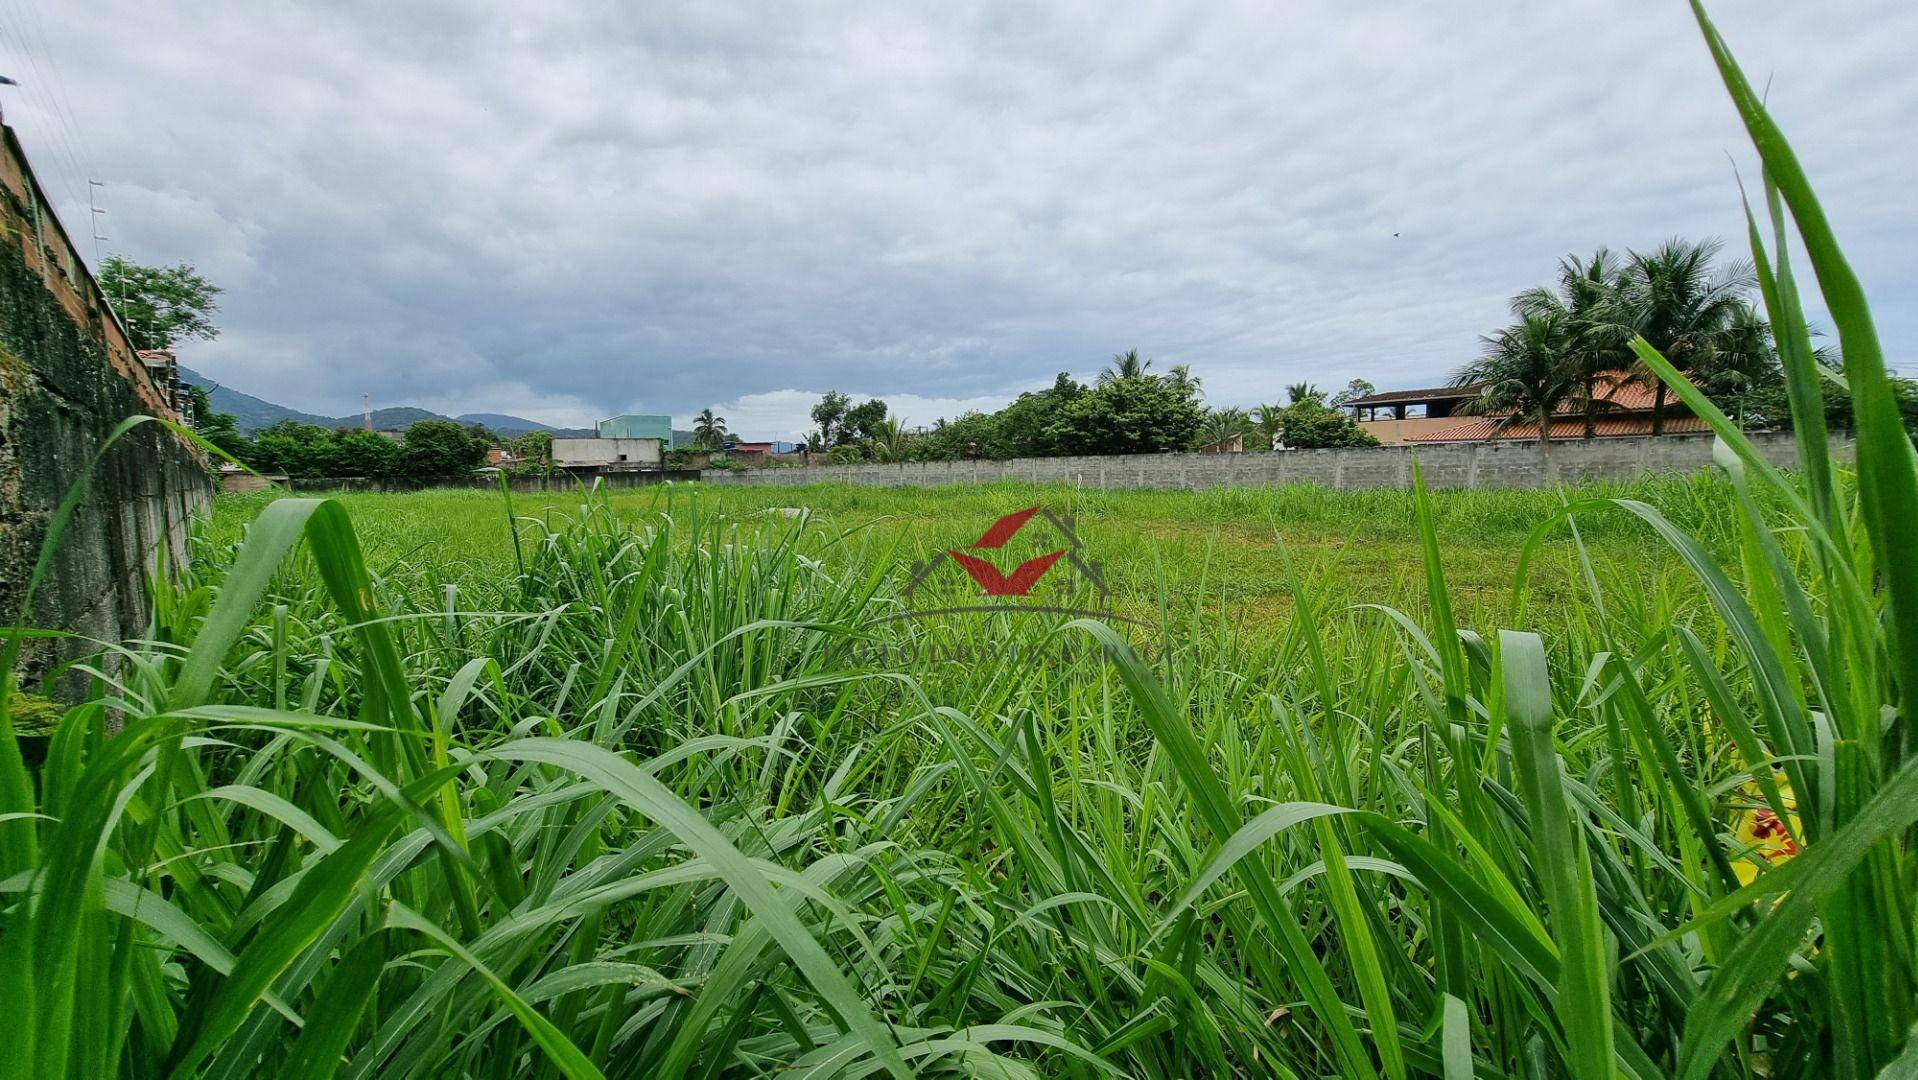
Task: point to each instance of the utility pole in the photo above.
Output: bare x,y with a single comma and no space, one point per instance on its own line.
366,411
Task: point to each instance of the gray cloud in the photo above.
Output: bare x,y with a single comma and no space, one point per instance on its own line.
571,210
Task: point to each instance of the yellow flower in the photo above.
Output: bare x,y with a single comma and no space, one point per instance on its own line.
1764,834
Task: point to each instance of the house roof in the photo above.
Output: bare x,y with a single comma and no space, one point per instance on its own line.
1619,394
1414,397
1563,427
1617,389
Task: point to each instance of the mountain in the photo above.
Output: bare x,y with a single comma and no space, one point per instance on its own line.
249,412
252,413
509,425
392,418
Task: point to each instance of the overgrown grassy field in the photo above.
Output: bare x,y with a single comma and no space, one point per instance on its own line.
1334,785
1212,553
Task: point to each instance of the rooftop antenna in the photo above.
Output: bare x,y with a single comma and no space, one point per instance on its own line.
366,411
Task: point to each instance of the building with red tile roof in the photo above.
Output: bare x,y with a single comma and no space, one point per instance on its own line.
1445,415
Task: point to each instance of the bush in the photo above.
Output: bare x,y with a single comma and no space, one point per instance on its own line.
1309,425
292,448
440,448
1135,414
363,453
1766,405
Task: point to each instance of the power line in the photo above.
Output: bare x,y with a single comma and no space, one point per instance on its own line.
39,91
32,95
63,96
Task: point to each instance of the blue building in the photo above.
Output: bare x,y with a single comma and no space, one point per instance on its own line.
632,426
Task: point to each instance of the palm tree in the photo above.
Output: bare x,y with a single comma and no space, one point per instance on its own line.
709,431
1270,420
1591,299
1355,389
1223,425
1742,358
1524,374
888,442
1183,379
1301,392
1675,299
1126,365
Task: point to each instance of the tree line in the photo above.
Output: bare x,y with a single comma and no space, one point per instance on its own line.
1567,350
427,450
163,305
1127,409
1569,345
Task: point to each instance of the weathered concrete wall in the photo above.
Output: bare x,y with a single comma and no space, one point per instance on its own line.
558,481
1483,465
67,378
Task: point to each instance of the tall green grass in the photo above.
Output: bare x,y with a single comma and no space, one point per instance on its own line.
640,804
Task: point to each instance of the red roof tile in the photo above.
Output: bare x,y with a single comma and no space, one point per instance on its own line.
1619,394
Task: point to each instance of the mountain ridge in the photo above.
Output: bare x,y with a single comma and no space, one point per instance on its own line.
252,413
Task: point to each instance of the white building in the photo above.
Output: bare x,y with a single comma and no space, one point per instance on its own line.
609,453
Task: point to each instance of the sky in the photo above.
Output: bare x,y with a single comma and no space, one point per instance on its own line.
568,210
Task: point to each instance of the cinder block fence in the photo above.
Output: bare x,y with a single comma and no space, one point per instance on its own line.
1500,464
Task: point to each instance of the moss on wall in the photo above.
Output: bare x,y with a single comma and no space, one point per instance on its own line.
60,398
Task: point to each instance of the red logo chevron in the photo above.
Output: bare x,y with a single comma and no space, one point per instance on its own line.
1005,528
1019,583
1022,579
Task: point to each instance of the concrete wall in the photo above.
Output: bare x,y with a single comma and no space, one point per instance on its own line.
1481,465
557,481
607,451
67,378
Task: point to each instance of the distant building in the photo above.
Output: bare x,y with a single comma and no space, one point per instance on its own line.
750,447
164,369
638,426
1396,416
1626,408
609,454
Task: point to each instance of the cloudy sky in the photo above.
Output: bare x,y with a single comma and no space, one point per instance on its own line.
567,209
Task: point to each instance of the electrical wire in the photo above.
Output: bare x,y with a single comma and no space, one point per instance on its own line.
40,93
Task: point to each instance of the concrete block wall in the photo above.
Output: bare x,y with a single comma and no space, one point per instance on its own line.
1502,464
560,480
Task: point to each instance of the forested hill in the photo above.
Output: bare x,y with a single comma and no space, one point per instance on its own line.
253,413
